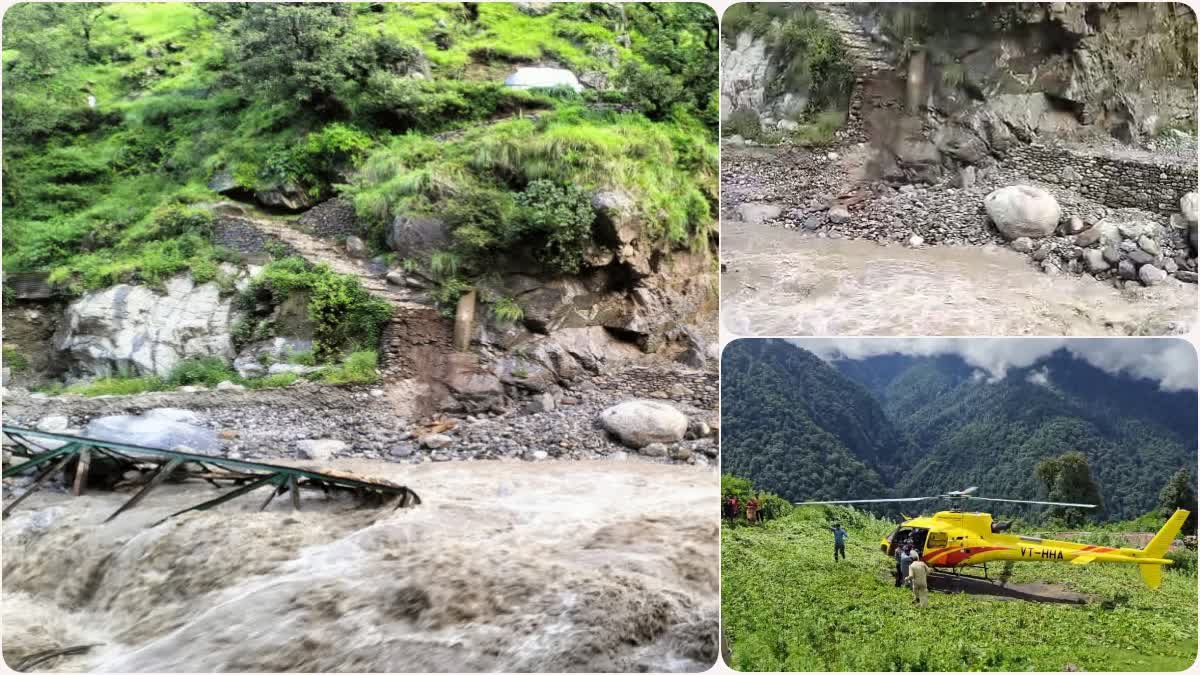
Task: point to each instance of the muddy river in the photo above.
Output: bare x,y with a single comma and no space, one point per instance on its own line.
782,282
508,566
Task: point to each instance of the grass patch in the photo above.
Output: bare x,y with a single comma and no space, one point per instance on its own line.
357,368
15,360
116,386
786,606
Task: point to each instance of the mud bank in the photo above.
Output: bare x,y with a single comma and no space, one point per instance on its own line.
507,566
780,282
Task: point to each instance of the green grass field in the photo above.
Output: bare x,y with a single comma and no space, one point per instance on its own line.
786,606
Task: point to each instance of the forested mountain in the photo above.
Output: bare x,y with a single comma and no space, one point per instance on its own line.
799,428
950,426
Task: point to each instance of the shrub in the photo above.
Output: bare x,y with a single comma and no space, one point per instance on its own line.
742,122
346,314
506,310
207,371
357,368
15,360
559,217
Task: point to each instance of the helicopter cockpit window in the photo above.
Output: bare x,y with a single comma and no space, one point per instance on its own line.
936,540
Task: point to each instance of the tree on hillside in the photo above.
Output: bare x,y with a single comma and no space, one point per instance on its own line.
297,51
1180,493
1068,478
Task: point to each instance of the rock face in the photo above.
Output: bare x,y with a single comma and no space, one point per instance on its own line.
639,423
417,236
746,71
134,328
1023,211
542,78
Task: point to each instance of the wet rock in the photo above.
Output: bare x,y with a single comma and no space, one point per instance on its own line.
654,450
1022,245
1151,275
157,428
1094,260
1023,211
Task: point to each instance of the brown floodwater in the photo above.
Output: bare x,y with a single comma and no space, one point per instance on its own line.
507,566
783,282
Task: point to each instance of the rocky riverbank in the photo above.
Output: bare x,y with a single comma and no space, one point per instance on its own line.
308,421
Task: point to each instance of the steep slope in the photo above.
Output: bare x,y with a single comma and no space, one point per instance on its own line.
795,426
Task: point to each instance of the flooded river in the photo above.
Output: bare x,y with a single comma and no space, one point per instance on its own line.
782,282
509,566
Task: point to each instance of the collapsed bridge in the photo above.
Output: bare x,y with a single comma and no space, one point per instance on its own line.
89,462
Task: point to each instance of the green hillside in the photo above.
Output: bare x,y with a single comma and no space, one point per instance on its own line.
786,606
798,428
122,121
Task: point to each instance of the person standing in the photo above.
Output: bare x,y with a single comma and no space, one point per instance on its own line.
751,510
918,574
904,557
839,541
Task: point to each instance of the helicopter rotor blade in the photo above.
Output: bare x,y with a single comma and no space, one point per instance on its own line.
1026,501
868,501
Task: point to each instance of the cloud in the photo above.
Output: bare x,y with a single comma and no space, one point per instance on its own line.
1169,361
1039,376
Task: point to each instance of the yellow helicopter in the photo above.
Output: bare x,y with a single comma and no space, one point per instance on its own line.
959,539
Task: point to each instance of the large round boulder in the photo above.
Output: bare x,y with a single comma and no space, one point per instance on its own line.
639,423
417,236
1189,204
1023,211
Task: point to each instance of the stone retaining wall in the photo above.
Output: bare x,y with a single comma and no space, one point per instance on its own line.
241,235
1115,183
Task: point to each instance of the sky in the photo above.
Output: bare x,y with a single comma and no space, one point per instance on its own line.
1169,361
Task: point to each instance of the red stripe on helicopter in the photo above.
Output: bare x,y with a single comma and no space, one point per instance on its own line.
1097,549
957,556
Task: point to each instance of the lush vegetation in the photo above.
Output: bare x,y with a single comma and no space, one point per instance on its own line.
345,315
807,429
770,505
807,57
786,606
118,116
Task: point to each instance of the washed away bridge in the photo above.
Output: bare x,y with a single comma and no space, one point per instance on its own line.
82,459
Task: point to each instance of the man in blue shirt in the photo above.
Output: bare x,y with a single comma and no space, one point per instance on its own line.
839,541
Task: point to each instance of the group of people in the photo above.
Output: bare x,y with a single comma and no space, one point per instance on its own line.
734,507
910,569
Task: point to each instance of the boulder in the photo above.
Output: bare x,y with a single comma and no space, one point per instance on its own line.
228,385
533,8
1151,275
222,182
639,422
1094,259
158,428
654,450
1189,204
1023,211
436,441
320,449
1022,245
476,388
356,248
135,328
288,196
417,236
839,214
538,77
